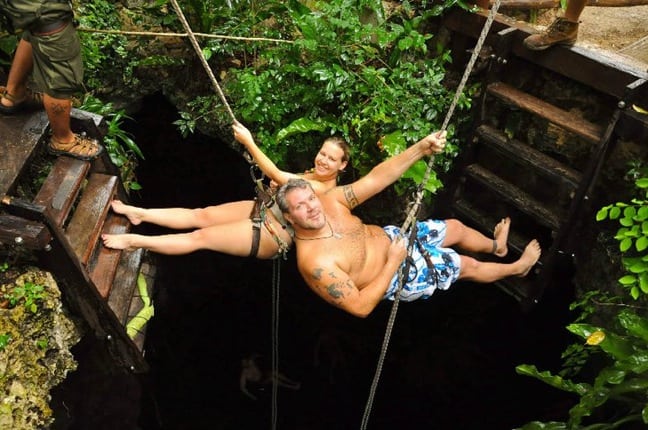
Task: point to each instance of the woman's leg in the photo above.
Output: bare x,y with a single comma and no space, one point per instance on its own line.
233,238
183,218
468,239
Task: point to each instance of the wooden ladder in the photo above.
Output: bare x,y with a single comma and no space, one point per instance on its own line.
500,175
63,224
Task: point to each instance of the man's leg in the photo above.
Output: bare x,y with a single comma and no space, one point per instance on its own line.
486,272
21,67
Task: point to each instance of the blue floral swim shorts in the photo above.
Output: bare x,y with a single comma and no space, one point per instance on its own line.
422,282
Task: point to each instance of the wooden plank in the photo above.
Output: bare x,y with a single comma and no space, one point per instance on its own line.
567,120
62,186
515,196
104,268
527,156
87,220
19,137
125,283
19,231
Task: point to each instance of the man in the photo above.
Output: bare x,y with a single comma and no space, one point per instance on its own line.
50,51
354,266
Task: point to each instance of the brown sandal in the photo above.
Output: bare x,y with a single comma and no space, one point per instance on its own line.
31,101
82,147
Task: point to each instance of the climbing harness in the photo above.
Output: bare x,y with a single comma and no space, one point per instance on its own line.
411,216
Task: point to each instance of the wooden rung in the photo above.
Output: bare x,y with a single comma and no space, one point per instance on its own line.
61,188
87,220
19,231
125,283
529,157
515,196
567,120
103,270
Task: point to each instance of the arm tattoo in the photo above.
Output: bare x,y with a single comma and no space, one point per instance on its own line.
317,274
335,289
350,196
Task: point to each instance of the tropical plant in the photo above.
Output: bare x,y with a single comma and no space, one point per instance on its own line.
346,68
618,395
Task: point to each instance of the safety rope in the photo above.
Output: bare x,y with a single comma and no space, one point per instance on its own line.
412,215
208,69
276,272
276,264
170,34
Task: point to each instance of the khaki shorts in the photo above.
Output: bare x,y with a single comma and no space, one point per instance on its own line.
58,66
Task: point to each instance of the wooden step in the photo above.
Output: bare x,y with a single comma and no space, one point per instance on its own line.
61,187
87,220
125,283
19,231
529,157
564,119
20,135
102,270
514,196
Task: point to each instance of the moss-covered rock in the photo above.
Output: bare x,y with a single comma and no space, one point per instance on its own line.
35,351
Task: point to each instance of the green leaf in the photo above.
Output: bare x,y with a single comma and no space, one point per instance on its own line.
625,244
301,125
602,213
628,280
615,212
642,243
642,183
553,380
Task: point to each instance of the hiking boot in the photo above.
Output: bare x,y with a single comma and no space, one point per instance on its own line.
560,32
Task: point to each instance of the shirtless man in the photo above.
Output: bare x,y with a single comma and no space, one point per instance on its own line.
354,266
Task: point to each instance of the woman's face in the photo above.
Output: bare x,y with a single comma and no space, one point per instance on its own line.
328,160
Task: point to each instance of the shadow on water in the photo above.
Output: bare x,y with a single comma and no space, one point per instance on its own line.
450,363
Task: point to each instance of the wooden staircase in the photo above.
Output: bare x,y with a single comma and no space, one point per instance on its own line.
62,225
503,174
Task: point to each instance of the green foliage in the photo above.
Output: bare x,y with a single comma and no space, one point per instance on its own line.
5,338
350,71
27,295
621,383
633,238
120,145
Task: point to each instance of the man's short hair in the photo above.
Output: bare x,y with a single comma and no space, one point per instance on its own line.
292,184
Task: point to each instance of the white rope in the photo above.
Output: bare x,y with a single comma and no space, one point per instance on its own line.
208,69
411,217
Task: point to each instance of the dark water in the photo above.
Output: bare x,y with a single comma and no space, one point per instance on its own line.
450,363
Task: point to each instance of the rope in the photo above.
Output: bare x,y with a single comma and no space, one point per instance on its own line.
276,266
196,47
167,34
411,217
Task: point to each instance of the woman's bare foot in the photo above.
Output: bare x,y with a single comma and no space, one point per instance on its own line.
130,212
501,233
117,241
529,257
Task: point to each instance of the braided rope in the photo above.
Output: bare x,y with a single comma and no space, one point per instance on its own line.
411,217
208,69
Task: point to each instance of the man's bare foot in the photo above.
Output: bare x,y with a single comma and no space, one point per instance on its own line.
117,241
501,233
529,257
128,211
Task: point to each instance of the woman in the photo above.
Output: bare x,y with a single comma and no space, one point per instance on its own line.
228,228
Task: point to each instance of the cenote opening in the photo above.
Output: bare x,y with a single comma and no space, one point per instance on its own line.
450,364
